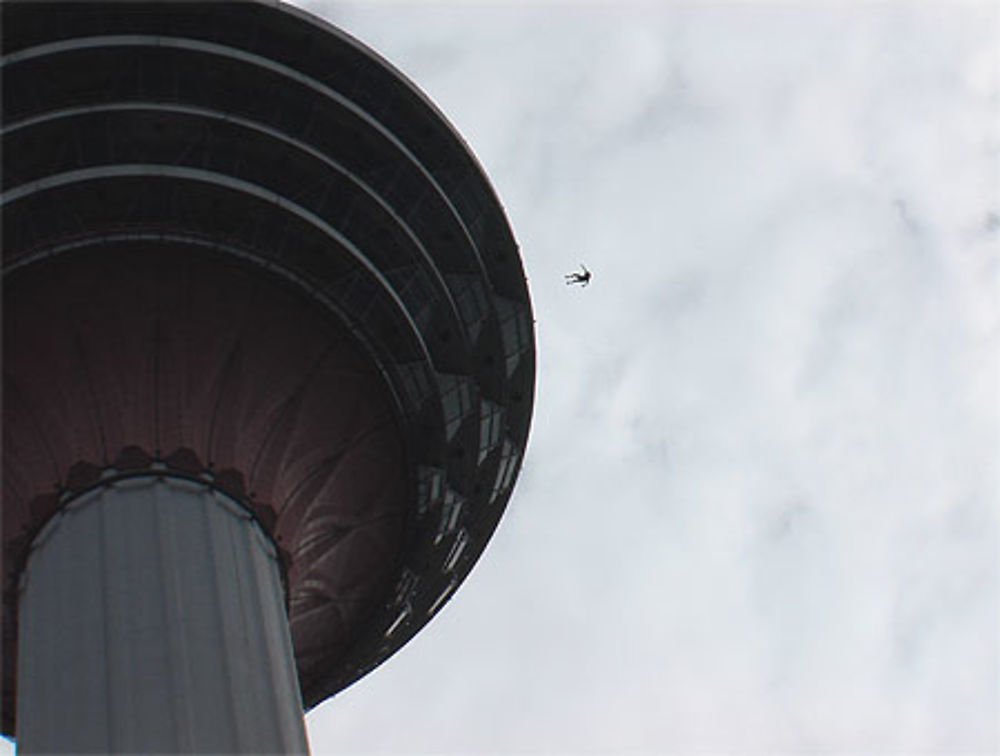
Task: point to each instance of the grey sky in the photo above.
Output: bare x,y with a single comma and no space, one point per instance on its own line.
759,507
759,510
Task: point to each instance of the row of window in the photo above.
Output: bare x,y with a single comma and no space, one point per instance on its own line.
457,399
409,581
433,493
405,613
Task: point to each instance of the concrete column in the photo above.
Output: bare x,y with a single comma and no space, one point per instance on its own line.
152,620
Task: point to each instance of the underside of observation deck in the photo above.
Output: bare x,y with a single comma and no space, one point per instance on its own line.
240,247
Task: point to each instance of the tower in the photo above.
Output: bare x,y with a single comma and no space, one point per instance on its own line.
268,370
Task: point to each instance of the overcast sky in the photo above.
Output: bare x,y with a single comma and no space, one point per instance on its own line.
759,509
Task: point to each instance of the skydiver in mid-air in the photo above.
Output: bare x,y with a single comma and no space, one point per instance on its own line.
578,278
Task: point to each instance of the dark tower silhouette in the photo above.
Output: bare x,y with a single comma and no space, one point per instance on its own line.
267,352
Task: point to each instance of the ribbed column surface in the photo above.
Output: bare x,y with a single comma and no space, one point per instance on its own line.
152,620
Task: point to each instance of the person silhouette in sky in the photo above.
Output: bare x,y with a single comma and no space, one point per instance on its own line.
578,278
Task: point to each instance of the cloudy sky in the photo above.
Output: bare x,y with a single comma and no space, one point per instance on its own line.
761,503
759,510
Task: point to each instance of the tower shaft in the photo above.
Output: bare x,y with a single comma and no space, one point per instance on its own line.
152,621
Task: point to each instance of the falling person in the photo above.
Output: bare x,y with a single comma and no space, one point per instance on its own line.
578,278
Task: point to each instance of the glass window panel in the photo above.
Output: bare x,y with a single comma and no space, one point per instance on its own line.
490,427
416,380
472,301
430,486
413,287
515,330
505,472
457,549
451,511
456,401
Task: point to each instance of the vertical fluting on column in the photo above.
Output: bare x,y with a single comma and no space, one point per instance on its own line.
153,621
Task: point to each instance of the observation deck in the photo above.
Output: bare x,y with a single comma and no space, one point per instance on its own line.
240,248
